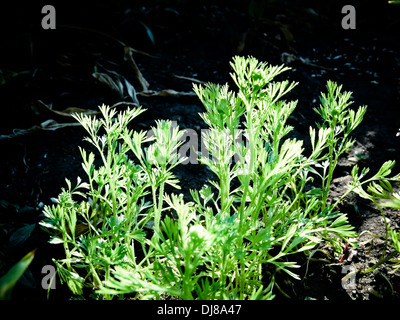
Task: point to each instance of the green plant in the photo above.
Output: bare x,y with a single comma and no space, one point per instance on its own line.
8,281
267,206
380,192
99,232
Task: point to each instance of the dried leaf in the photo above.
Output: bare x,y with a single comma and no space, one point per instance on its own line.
45,111
131,91
114,84
54,125
125,104
189,79
166,93
129,59
46,125
288,58
117,83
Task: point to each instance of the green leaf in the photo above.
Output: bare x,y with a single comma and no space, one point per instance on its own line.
395,236
149,32
392,203
56,240
8,281
6,75
21,234
73,280
288,236
385,169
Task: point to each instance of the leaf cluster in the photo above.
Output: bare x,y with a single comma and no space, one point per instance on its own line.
266,207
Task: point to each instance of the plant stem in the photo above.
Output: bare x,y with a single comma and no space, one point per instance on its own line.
380,262
224,181
332,164
159,207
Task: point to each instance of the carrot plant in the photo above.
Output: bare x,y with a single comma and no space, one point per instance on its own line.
380,192
123,234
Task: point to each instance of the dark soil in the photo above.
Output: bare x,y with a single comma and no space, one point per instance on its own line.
192,39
